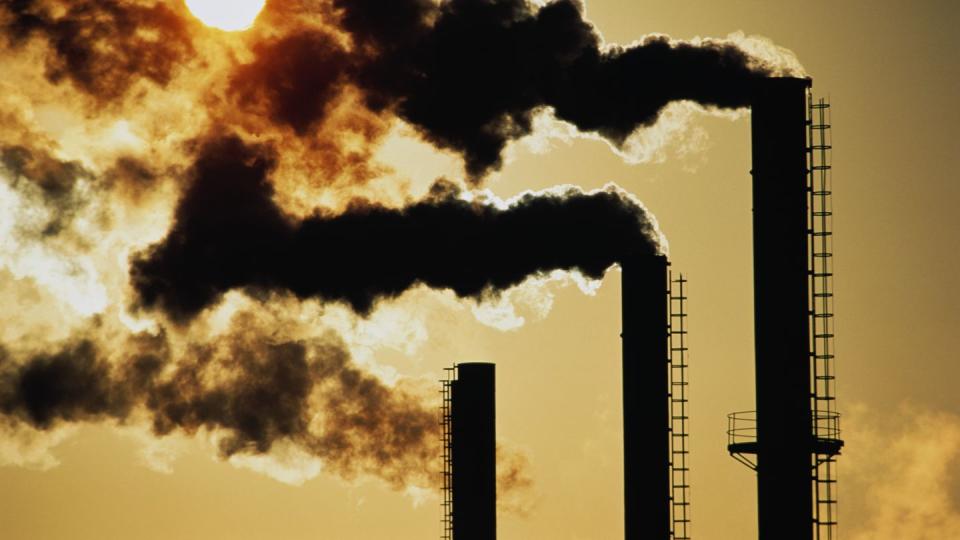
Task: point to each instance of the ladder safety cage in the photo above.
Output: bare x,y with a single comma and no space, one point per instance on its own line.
679,414
446,466
826,418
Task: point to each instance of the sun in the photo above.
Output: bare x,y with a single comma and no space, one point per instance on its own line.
232,16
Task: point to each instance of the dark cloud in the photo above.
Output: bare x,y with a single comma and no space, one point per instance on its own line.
131,177
377,26
70,385
103,46
45,181
230,234
252,390
225,223
292,79
55,178
470,73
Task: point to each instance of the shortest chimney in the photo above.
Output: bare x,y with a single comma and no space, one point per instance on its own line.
472,451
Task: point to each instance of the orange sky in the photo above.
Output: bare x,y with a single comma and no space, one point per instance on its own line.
890,70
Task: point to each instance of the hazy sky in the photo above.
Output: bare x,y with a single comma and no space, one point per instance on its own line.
890,70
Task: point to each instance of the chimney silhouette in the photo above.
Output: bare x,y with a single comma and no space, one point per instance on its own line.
794,435
646,408
473,452
781,309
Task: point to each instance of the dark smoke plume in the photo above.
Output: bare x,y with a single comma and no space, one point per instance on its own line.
255,391
230,234
470,74
293,79
102,46
55,178
30,169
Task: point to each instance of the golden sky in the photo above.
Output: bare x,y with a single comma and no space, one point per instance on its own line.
890,70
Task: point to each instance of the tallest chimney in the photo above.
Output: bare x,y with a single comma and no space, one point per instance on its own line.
781,309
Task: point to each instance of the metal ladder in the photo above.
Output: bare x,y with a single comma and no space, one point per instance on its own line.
823,379
446,434
679,418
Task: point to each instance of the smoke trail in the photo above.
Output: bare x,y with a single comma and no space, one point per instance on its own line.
318,83
470,74
292,79
252,390
102,46
514,482
230,234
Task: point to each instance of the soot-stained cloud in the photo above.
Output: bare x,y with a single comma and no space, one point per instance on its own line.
471,73
318,84
230,234
102,46
253,391
468,74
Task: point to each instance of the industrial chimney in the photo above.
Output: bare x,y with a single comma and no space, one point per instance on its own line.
646,405
470,453
793,431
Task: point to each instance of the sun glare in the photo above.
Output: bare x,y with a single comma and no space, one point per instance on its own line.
232,16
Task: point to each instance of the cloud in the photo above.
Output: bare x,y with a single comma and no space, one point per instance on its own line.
902,471
30,448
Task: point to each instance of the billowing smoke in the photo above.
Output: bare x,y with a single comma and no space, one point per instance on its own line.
470,74
149,161
230,234
103,47
250,390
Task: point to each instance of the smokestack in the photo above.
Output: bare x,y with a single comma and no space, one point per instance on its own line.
781,309
473,452
646,443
